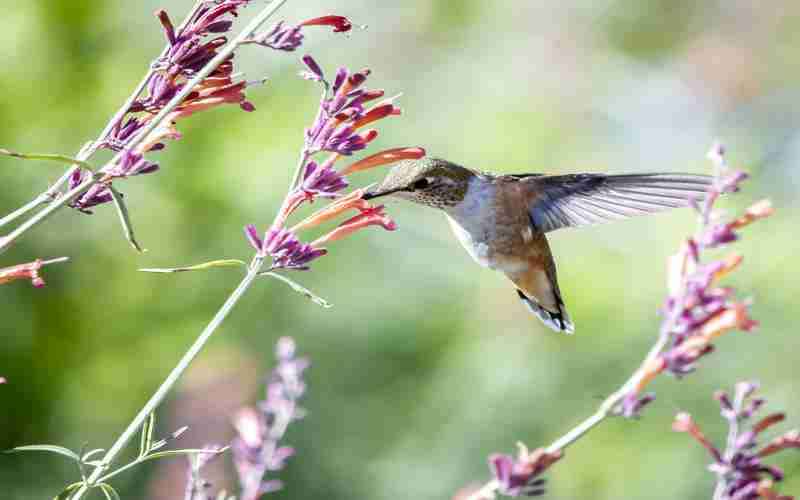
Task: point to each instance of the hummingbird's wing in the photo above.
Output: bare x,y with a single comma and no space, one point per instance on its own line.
557,201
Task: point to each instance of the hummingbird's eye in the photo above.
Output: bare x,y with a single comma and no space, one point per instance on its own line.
423,183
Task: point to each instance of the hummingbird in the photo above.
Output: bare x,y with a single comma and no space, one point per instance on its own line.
502,220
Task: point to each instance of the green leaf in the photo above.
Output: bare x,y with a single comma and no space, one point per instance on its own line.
300,289
125,218
109,491
146,443
49,448
47,157
163,442
174,453
64,495
198,267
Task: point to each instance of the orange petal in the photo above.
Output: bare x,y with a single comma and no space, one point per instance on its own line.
369,217
730,263
734,318
649,372
384,158
376,113
756,211
350,201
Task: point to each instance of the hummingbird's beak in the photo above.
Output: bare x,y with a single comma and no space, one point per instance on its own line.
369,195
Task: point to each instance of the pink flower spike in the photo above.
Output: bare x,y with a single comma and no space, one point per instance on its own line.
373,216
384,158
340,24
249,425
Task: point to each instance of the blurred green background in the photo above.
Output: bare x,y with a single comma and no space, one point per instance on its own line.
427,363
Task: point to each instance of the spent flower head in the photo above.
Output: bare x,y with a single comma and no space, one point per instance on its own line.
522,475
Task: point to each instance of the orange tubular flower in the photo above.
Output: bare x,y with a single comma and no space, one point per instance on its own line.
351,201
383,158
756,211
373,216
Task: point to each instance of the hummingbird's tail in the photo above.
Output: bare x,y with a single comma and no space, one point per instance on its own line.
558,321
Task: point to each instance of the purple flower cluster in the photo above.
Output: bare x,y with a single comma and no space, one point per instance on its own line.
280,37
129,165
697,310
741,473
289,38
322,180
522,476
282,245
340,115
189,48
342,112
257,449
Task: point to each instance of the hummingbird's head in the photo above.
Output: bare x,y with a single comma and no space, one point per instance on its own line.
428,181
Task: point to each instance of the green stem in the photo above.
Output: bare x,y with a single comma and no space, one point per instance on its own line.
24,209
156,399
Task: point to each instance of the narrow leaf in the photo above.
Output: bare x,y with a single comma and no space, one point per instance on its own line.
47,447
198,267
146,443
125,218
174,453
64,495
300,289
47,157
109,491
172,437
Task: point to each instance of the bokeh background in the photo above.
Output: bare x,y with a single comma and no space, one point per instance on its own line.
427,363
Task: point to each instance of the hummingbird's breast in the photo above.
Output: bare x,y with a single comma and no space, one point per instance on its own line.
493,225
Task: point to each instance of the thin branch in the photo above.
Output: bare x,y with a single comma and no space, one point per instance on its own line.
24,209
